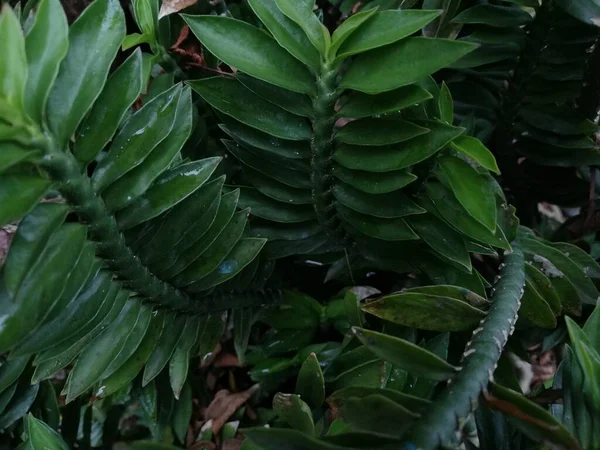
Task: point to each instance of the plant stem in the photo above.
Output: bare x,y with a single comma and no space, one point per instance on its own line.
323,122
451,409
77,189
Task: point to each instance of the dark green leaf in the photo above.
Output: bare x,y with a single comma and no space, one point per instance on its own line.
267,208
409,357
364,105
230,97
139,136
385,27
302,14
294,411
290,101
19,404
249,50
392,205
310,385
122,89
425,311
385,69
165,346
470,189
445,105
19,194
10,371
374,183
42,436
167,191
394,157
475,150
179,363
376,227
494,16
377,132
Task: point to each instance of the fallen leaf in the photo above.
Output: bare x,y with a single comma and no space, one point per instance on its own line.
225,404
173,6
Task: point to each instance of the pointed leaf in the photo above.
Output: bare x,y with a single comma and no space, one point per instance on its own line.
46,45
94,39
249,50
13,71
378,132
474,149
425,311
302,14
385,69
409,357
310,385
390,206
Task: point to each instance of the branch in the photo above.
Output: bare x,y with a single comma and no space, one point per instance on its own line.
447,414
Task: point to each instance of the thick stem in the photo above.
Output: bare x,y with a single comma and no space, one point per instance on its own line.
323,122
76,188
450,410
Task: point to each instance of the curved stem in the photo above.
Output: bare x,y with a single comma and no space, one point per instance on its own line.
323,121
76,188
450,410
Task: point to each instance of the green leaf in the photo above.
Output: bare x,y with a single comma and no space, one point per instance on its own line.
405,355
286,439
46,45
411,403
584,286
249,50
19,404
293,102
592,329
453,212
165,346
131,186
302,14
10,371
530,418
474,149
42,436
100,352
168,190
243,319
243,253
267,208
588,358
230,97
179,363
442,238
122,89
584,261
126,373
133,39
428,311
144,130
494,16
379,228
287,34
470,189
385,69
297,311
584,10
543,286
94,39
13,71
363,105
345,30
385,27
376,132
43,286
146,16
445,105
183,412
535,309
374,183
378,414
310,385
29,241
294,411
394,157
390,206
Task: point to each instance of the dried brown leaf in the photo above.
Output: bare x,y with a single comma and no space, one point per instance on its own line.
225,404
173,6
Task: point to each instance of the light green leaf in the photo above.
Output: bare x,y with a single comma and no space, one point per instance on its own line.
94,40
13,70
46,45
474,149
349,26
248,49
302,13
445,104
287,34
41,436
